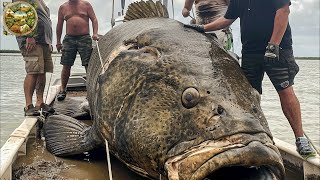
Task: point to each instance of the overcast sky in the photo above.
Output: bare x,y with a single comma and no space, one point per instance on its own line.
304,21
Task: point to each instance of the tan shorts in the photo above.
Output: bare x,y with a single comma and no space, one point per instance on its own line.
39,60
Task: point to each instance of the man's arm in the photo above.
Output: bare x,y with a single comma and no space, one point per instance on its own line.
30,41
187,7
280,24
94,21
59,28
218,24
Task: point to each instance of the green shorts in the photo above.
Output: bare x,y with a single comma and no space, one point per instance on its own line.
281,73
39,60
73,44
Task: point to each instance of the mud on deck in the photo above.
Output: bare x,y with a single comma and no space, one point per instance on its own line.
39,164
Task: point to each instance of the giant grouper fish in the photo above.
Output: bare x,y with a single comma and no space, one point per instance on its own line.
171,103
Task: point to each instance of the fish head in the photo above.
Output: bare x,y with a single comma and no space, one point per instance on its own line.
188,111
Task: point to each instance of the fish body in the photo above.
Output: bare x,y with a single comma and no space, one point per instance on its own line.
172,103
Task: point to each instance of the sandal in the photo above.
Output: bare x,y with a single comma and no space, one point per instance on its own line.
61,95
30,110
46,108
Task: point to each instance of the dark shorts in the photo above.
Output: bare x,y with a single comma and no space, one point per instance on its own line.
281,73
39,60
73,44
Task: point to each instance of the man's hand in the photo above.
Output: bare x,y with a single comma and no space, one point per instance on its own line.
30,44
185,12
95,37
197,27
59,47
272,53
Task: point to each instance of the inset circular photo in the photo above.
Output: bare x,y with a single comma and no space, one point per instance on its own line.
20,18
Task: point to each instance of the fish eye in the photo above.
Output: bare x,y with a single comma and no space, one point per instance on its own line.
190,98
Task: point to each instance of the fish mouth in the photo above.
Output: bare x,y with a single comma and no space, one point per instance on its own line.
212,160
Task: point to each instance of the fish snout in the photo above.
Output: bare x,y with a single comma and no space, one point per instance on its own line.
222,160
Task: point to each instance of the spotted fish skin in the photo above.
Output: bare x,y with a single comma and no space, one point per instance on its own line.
136,97
171,103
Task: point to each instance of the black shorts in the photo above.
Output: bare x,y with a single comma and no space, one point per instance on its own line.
281,73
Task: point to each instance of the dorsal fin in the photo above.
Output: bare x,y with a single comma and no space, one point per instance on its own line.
148,9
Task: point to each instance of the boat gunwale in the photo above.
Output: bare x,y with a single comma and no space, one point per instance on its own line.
16,144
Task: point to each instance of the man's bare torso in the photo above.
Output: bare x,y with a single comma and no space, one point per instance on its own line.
210,10
222,2
76,16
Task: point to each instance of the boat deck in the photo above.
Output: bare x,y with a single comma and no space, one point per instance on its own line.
24,155
41,164
38,163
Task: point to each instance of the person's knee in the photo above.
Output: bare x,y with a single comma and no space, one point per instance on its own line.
287,92
31,76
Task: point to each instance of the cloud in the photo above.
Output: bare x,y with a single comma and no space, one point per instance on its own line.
304,20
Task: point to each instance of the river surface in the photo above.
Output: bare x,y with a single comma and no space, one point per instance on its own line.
307,88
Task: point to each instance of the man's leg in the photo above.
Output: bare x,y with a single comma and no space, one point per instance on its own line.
291,109
47,66
282,75
65,74
33,67
41,82
85,50
69,52
252,66
29,87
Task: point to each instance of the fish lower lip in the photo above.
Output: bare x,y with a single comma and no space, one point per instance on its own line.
244,173
257,160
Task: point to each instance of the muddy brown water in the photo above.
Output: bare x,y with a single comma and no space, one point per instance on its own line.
39,164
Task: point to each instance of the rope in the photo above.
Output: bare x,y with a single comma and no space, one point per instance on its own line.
165,2
314,147
112,16
45,101
172,9
54,62
192,12
108,159
100,55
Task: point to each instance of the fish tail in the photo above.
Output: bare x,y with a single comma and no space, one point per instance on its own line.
66,136
148,9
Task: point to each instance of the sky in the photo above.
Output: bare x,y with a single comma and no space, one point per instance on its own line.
304,20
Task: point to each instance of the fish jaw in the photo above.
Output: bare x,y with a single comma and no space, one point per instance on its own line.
217,160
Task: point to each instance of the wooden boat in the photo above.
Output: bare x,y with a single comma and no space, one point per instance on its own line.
25,152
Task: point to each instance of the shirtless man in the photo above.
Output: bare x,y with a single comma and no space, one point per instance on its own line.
76,13
207,11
